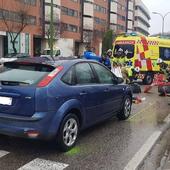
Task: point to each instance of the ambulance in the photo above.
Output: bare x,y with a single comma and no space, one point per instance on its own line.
142,53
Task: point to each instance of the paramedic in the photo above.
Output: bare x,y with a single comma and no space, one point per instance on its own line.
105,60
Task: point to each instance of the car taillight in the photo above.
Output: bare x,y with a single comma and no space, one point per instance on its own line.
46,80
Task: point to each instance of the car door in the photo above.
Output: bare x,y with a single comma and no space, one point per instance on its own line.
87,91
111,94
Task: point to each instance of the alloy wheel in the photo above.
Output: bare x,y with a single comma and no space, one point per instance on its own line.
70,132
127,107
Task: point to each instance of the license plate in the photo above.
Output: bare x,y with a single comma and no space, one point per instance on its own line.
6,101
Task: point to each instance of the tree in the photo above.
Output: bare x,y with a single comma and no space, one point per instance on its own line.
93,36
53,26
15,22
57,31
107,42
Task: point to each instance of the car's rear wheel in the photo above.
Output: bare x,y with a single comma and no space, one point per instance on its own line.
126,109
68,133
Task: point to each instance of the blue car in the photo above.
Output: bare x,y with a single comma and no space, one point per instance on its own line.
57,100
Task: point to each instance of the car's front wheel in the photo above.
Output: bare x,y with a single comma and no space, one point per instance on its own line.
68,133
126,109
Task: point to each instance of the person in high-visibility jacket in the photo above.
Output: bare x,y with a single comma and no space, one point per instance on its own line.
123,60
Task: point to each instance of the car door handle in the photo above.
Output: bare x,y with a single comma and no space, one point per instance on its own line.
106,90
83,93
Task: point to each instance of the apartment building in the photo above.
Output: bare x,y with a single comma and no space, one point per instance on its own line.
67,25
95,23
130,16
142,18
10,21
121,15
79,23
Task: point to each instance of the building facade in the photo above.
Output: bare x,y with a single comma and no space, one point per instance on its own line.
95,23
67,25
142,18
77,23
10,22
80,24
121,15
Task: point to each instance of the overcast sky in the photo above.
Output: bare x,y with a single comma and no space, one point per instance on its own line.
161,6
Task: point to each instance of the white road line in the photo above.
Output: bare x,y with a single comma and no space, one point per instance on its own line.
42,164
3,153
167,119
142,153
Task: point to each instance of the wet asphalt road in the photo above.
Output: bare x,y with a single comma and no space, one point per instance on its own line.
107,146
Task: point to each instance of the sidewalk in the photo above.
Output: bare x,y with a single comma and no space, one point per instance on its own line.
167,164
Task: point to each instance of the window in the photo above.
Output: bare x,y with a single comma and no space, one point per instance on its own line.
69,12
121,50
99,8
84,74
19,74
29,2
74,0
69,78
165,53
99,21
69,27
17,17
104,75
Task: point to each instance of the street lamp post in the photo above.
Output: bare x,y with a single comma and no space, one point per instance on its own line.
51,29
163,19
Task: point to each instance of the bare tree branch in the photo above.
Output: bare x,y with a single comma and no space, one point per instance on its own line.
15,26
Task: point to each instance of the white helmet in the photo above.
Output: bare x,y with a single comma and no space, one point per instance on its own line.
137,69
159,61
109,51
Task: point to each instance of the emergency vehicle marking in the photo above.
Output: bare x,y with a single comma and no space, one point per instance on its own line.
145,43
146,51
149,42
132,42
142,61
153,43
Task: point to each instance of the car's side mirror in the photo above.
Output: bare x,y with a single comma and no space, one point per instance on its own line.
118,80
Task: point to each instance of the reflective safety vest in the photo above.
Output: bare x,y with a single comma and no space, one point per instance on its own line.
120,60
130,72
115,59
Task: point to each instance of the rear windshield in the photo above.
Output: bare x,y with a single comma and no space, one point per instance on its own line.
15,74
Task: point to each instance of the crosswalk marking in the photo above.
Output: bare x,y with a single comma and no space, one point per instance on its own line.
42,164
3,153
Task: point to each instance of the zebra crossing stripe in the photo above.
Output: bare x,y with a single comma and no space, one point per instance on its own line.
42,164
3,153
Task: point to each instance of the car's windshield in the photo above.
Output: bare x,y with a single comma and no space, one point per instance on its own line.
122,50
21,74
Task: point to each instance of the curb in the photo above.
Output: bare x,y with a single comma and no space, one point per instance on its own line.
163,160
138,159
